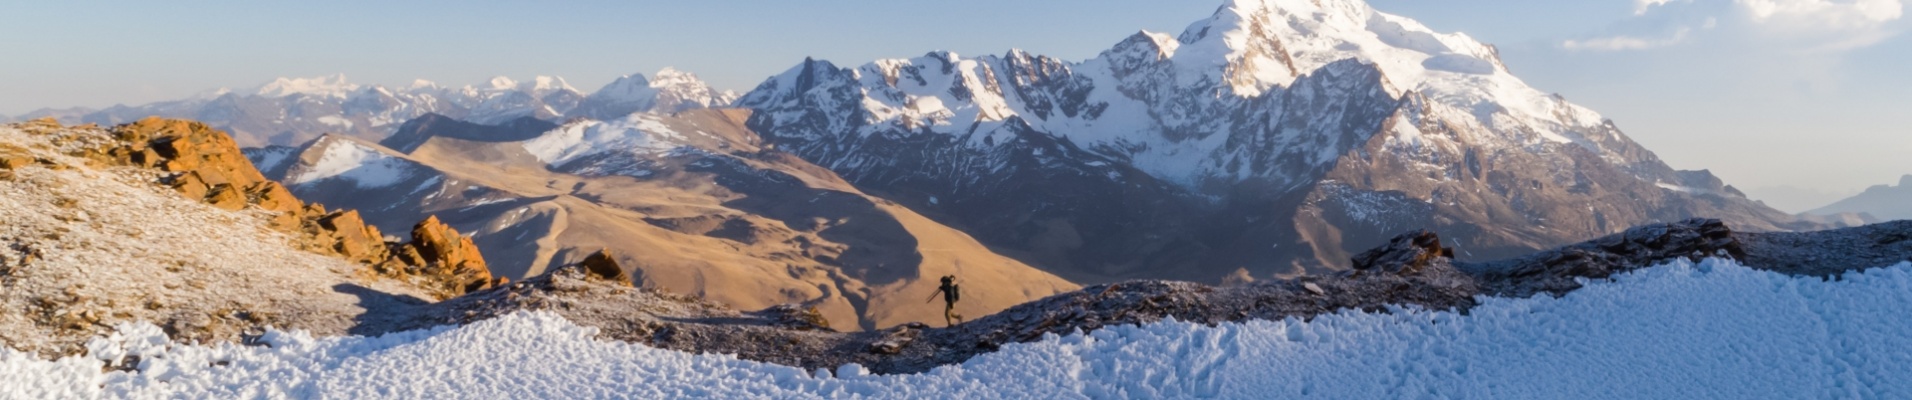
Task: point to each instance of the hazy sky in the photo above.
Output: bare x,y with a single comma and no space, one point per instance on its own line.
1797,101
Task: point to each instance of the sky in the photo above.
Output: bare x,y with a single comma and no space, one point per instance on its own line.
1797,102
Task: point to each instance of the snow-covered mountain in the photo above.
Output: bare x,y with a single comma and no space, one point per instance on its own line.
667,91
1276,134
292,111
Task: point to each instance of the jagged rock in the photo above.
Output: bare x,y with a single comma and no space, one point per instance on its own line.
349,236
894,340
796,317
272,196
14,158
602,265
446,260
1405,254
189,185
226,197
185,146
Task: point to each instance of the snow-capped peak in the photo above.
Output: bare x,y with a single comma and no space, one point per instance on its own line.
626,88
502,82
669,75
669,90
421,84
327,86
338,157
1261,44
542,84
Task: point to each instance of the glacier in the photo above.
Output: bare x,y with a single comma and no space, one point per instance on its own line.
1711,329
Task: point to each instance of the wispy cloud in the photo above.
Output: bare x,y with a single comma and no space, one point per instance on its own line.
1622,43
1809,25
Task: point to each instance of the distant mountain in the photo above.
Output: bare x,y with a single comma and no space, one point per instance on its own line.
689,202
1885,202
1277,136
668,91
292,111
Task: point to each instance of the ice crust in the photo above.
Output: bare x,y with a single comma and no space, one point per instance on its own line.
1714,329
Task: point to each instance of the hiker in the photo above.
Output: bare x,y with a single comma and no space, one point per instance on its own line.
950,296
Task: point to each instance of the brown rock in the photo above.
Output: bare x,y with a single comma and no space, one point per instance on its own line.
226,197
14,157
272,196
602,265
440,244
1405,254
189,185
446,261
186,146
355,240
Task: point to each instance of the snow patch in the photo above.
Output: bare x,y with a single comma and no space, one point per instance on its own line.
365,167
641,134
335,120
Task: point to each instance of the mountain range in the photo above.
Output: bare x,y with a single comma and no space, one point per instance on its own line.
1886,202
292,111
1274,137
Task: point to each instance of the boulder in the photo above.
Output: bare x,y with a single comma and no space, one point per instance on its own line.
14,157
272,196
352,237
440,258
602,265
226,197
1405,254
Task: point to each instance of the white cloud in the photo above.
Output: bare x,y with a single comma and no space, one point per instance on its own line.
1811,25
1640,7
1860,14
1620,43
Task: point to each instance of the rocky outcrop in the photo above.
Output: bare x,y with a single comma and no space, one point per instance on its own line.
603,265
205,164
438,256
1407,253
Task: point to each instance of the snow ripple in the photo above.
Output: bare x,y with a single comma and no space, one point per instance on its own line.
1713,329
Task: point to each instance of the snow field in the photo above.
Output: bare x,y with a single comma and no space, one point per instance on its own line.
1683,330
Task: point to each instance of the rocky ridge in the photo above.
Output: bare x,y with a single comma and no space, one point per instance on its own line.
202,163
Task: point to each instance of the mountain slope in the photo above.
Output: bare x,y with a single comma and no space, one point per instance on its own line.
1887,202
688,202
1275,136
291,111
162,221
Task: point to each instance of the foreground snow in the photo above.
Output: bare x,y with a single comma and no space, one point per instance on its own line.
1711,330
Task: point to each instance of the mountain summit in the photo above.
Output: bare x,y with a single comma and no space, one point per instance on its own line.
1273,136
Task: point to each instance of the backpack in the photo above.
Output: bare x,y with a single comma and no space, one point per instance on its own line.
951,294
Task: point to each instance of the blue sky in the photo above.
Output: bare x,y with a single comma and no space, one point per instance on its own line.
1797,101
